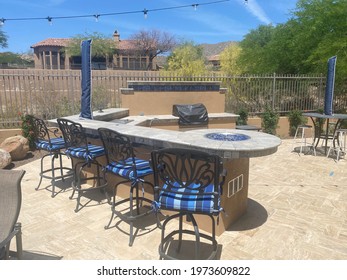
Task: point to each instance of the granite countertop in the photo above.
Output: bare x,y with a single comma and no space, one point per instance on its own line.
256,143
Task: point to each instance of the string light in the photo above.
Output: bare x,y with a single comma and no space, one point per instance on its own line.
97,16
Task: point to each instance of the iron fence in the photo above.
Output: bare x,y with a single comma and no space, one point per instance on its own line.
55,93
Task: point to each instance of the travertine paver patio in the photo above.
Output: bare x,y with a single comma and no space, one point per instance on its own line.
297,210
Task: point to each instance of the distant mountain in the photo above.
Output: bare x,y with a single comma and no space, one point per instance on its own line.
214,49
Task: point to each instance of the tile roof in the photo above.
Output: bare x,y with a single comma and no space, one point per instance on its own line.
63,42
214,57
52,42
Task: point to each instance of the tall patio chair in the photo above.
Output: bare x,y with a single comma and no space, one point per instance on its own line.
123,163
187,182
85,156
49,141
10,204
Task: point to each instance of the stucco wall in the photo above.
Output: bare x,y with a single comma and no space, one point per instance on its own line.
5,133
282,130
160,103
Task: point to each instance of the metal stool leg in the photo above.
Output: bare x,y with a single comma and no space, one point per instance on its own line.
340,146
303,139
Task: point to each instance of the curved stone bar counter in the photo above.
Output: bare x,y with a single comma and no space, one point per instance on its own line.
235,147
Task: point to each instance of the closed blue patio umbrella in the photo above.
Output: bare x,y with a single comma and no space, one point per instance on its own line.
329,89
86,81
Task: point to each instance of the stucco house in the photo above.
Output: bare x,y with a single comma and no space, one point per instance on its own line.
214,61
50,54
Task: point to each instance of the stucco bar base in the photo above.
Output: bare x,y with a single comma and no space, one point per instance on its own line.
234,197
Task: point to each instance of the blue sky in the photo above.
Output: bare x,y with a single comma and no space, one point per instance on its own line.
219,22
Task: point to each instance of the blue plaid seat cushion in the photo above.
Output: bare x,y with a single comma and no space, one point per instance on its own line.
126,170
94,151
191,201
55,145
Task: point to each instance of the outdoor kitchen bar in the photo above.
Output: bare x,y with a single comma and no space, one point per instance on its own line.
162,114
235,147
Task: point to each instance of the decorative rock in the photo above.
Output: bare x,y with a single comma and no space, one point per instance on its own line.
5,158
17,146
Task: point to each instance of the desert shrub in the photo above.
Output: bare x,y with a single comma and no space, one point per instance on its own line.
269,121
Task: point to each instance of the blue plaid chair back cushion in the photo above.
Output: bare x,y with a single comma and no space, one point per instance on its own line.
88,152
131,168
187,180
188,199
55,144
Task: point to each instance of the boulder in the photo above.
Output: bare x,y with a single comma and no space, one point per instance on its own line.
17,146
5,158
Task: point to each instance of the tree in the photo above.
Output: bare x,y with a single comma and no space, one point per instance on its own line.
102,46
322,33
3,39
151,43
281,49
316,31
254,55
228,59
14,58
187,60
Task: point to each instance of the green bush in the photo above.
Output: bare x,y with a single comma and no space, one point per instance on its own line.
295,119
269,121
27,127
243,117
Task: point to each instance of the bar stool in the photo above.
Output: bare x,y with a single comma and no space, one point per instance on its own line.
339,138
301,130
85,156
130,169
188,183
49,141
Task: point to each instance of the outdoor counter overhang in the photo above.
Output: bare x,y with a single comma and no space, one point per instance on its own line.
235,147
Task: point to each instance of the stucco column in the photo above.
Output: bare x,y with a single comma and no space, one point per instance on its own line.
44,59
58,59
50,60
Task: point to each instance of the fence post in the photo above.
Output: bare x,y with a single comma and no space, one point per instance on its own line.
71,93
273,91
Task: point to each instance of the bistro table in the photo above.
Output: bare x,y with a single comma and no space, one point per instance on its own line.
318,129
